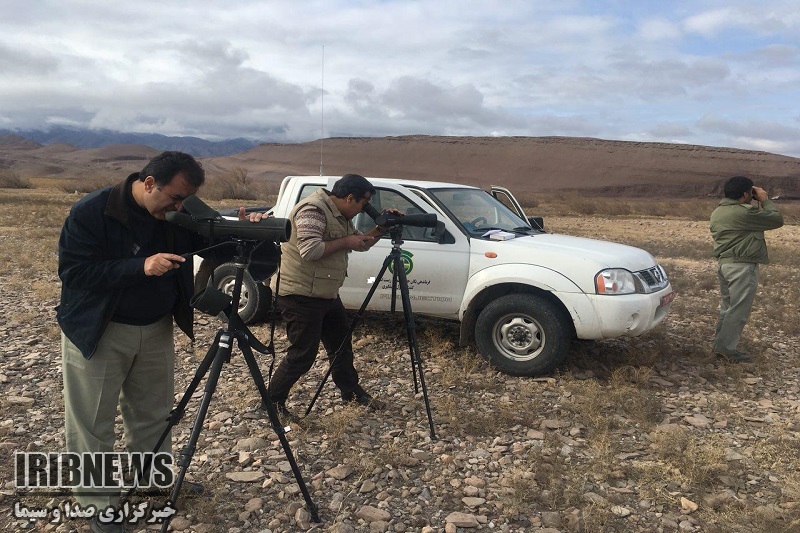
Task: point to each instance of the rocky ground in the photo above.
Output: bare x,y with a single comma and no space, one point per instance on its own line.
645,434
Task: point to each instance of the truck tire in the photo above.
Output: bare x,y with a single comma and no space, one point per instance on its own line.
255,302
522,335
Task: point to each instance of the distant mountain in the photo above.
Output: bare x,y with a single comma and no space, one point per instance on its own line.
83,138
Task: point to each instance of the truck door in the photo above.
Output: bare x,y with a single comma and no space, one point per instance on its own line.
437,273
505,197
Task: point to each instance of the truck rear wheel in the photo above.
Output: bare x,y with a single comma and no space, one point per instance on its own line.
255,301
522,334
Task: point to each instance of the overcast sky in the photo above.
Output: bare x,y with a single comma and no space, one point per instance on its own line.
719,73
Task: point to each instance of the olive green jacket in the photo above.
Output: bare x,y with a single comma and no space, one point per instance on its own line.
738,230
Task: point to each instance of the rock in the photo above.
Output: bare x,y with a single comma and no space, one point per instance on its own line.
698,421
254,504
180,523
688,505
251,444
555,424
373,514
340,472
473,502
475,482
594,498
302,518
461,520
621,511
245,477
551,519
20,400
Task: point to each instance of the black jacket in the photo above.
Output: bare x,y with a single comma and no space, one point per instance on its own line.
96,263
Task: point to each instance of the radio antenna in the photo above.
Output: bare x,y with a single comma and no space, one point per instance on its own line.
322,112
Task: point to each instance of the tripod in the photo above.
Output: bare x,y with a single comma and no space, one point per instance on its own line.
215,302
394,260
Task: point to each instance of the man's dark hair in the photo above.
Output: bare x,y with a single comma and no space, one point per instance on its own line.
736,186
353,184
167,165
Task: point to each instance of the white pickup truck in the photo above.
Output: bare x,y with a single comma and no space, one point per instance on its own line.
521,294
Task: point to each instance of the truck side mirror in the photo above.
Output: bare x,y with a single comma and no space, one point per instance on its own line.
536,222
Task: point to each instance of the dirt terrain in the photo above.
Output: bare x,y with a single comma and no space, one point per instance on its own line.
643,434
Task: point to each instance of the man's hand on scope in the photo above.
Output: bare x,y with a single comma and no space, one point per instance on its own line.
254,216
359,243
160,264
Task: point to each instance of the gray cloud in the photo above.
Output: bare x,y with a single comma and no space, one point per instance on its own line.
18,61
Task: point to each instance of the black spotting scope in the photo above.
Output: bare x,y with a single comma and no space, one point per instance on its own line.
200,218
387,220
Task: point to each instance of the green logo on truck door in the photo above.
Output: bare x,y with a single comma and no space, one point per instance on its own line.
408,264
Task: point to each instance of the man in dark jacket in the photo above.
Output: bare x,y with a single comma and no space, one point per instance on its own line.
738,229
123,281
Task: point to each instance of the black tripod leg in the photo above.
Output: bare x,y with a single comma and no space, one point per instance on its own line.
258,378
413,345
177,413
356,320
223,345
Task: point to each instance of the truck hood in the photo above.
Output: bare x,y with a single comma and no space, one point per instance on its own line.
577,258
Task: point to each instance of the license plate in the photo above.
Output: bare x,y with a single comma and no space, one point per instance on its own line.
667,299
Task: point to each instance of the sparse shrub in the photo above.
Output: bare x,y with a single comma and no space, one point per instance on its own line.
11,180
234,184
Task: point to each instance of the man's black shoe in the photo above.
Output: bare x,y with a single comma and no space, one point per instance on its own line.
736,357
365,399
96,526
285,414
190,488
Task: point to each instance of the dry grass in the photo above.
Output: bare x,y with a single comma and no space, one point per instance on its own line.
611,392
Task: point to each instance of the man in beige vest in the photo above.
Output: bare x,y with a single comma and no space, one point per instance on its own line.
313,268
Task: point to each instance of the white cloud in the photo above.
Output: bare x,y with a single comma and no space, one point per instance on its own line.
392,67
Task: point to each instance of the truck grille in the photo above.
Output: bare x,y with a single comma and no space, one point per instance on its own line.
652,279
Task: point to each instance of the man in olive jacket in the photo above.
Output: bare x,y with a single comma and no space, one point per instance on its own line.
738,226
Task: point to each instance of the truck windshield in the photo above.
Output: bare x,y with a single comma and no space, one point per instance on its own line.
478,211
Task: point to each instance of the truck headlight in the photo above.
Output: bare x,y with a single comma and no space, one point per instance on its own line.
615,281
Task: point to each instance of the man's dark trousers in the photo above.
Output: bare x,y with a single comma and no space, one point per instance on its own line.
309,321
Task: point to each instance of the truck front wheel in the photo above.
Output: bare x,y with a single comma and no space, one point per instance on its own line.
522,335
256,298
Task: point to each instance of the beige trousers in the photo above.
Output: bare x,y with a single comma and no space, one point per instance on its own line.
133,368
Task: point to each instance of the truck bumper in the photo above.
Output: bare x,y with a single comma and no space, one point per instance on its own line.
626,315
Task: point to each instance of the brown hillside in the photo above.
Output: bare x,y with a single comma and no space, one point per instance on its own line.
529,163
520,163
